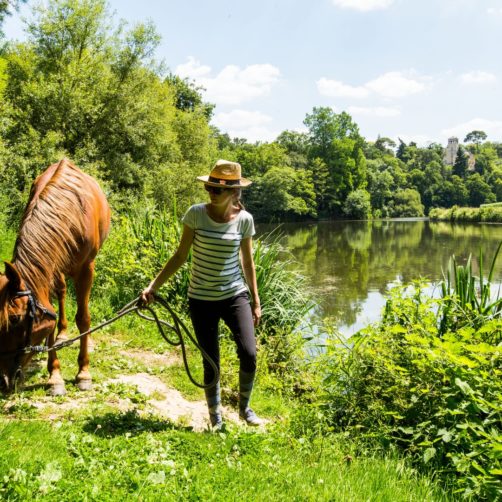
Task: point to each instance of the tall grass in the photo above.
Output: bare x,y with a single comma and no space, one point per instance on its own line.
486,213
283,291
468,299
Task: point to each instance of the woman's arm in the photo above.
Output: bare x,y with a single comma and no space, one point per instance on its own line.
250,275
173,264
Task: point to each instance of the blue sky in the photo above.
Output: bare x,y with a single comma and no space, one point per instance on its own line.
421,70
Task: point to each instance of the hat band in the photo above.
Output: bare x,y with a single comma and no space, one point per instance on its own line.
212,179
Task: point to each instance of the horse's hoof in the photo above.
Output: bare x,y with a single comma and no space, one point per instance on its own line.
84,384
62,337
57,389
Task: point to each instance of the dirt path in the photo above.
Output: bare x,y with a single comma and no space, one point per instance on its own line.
156,397
169,403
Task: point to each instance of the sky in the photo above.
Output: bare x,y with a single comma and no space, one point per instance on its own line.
418,70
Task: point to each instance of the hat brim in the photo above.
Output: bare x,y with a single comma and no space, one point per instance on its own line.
243,182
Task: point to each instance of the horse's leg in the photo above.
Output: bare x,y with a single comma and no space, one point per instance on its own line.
83,285
55,382
60,288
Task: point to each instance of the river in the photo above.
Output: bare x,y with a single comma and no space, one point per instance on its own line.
351,265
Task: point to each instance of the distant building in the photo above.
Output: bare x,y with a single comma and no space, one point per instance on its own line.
450,154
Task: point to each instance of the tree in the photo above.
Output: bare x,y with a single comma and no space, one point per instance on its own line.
357,205
325,125
385,145
81,89
401,152
476,137
461,163
188,96
286,193
335,140
380,185
449,192
406,203
479,191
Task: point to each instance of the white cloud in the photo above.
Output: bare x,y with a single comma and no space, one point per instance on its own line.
192,69
363,5
493,128
377,111
337,89
478,77
496,11
396,84
232,85
251,125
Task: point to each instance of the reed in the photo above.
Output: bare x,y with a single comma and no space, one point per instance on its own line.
283,290
468,299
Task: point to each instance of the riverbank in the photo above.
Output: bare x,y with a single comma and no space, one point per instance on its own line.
490,213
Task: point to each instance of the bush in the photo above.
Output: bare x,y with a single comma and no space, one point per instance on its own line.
357,205
437,398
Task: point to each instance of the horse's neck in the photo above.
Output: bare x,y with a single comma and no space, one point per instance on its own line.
34,281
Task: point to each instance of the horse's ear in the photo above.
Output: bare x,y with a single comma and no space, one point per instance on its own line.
13,276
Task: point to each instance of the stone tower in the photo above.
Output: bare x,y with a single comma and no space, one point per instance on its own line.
450,153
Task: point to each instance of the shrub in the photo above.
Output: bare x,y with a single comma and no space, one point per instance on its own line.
357,205
437,398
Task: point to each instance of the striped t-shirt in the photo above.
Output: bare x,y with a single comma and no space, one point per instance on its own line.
216,269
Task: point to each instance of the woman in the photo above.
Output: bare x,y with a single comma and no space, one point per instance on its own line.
218,231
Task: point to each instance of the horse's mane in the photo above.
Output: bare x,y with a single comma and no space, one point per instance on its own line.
52,227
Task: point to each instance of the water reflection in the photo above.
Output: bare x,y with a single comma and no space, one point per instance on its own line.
351,265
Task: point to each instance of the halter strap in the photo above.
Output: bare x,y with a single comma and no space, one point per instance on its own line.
34,304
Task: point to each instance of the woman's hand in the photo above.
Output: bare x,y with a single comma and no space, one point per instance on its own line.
256,310
147,296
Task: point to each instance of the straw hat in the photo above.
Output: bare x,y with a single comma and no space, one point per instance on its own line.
225,174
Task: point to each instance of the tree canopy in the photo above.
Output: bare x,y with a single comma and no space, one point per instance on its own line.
88,87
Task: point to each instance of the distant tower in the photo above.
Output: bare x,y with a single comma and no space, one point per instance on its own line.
450,153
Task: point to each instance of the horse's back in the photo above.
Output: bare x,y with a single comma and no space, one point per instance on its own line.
70,198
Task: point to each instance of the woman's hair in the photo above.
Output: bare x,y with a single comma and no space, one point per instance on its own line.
237,197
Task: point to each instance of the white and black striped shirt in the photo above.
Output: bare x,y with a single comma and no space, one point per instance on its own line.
216,268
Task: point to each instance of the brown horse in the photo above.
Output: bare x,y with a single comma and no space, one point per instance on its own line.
65,222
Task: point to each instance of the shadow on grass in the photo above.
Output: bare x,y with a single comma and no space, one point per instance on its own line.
130,423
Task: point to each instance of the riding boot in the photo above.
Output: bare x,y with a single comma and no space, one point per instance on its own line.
214,405
246,381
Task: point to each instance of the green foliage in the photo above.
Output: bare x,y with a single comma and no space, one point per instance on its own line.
476,137
284,193
283,295
439,398
479,191
406,203
488,213
83,89
357,205
139,245
468,300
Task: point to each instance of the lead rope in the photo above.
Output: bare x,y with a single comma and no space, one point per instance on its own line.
138,306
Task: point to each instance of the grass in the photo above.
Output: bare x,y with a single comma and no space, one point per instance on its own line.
84,447
107,445
114,456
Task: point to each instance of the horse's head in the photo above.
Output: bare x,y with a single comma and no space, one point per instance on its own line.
23,322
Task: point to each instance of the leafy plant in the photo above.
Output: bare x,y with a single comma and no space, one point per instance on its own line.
468,299
437,398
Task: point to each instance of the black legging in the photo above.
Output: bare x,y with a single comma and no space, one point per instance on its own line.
237,315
